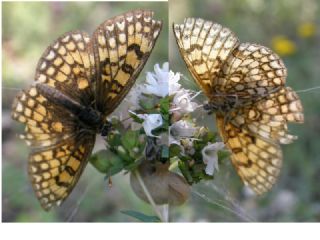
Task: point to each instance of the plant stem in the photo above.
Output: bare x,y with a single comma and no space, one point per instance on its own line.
165,212
147,193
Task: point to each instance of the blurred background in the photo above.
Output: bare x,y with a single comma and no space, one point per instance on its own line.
28,29
291,29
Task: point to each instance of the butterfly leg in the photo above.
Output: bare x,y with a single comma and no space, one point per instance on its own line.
210,108
106,128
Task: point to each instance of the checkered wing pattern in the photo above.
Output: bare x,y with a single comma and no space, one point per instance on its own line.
204,46
79,74
122,46
68,66
256,105
251,72
59,151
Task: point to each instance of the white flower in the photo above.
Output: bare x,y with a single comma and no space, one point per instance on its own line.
174,86
180,129
157,82
150,122
210,156
182,101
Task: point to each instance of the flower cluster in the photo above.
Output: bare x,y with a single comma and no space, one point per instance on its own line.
161,134
193,147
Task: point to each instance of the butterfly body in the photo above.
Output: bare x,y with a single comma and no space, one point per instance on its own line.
221,104
88,118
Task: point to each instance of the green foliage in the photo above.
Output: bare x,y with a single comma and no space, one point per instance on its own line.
190,162
141,216
105,161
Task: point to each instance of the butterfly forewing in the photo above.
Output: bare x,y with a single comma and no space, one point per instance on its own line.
68,66
122,47
204,47
79,80
246,84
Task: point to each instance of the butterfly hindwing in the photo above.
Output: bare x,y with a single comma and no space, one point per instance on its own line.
46,124
56,169
268,118
58,151
251,72
257,160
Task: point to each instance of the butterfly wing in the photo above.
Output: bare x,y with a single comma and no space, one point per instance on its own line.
251,72
68,66
59,150
204,46
268,118
122,46
257,160
255,77
254,134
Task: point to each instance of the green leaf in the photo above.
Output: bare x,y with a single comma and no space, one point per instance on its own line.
136,118
130,140
222,155
174,150
141,216
114,139
164,107
185,172
106,162
147,103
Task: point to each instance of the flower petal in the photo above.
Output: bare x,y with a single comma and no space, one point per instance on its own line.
151,121
210,157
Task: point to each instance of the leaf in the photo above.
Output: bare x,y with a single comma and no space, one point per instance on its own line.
222,155
185,172
106,162
141,216
147,102
175,150
130,140
164,107
114,139
136,118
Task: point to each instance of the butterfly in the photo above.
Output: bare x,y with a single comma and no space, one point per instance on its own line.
79,81
245,86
